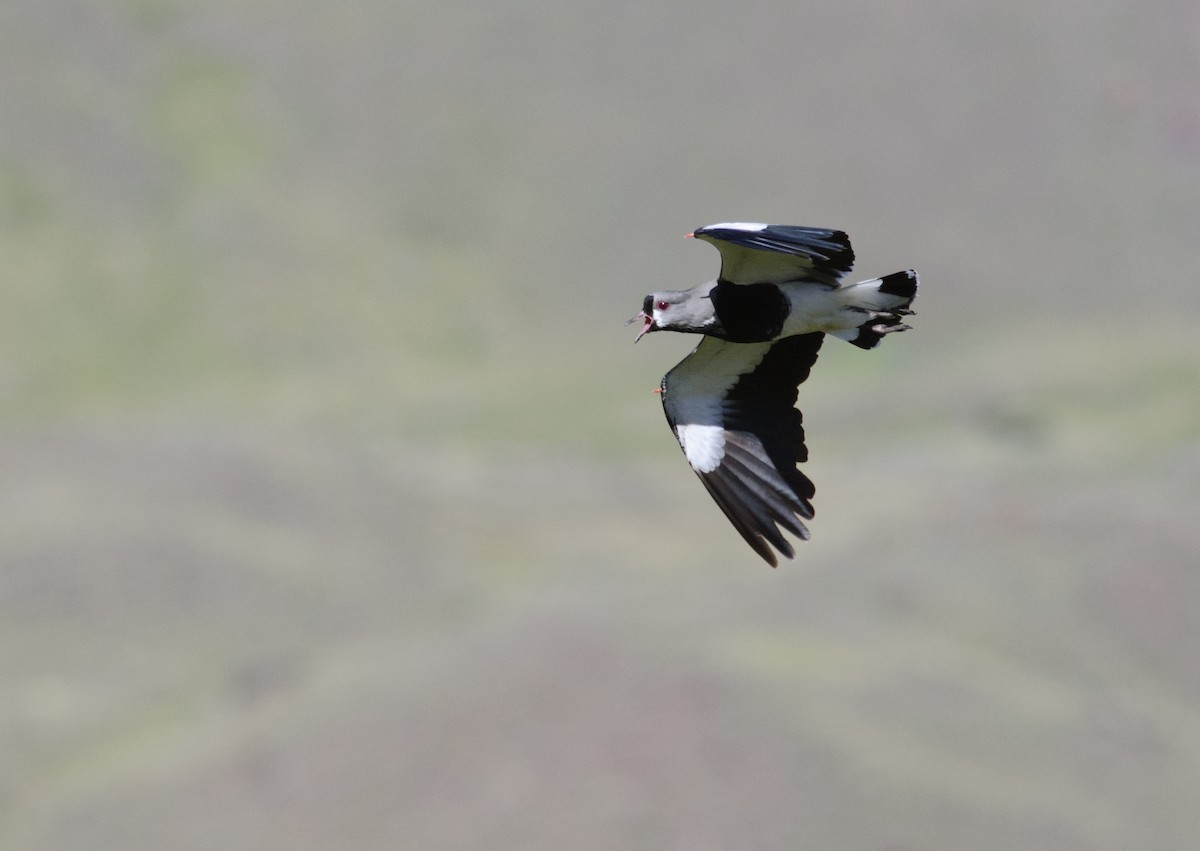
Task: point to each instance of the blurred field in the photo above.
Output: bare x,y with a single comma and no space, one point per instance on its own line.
338,512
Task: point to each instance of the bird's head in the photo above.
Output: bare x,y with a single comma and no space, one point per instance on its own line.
674,310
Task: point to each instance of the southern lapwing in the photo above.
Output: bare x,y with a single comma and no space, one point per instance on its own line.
731,401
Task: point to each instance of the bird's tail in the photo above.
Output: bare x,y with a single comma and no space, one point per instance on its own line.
884,301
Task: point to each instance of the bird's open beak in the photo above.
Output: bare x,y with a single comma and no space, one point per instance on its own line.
649,326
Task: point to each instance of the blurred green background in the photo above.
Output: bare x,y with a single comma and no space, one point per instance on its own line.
338,512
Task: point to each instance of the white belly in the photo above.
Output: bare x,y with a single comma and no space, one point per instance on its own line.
816,307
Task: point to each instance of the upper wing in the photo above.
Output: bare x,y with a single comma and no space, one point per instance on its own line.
731,408
754,253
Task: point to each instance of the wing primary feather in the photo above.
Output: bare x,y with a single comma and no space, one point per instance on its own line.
787,480
766,506
772,489
751,513
742,520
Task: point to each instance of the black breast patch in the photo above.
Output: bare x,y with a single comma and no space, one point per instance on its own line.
749,313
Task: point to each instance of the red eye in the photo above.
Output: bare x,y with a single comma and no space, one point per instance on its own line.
662,305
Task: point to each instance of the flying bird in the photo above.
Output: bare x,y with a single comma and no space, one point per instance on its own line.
731,402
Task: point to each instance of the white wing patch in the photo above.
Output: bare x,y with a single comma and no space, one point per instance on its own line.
704,445
752,227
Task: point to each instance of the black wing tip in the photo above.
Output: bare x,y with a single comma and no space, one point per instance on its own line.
830,247
760,509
